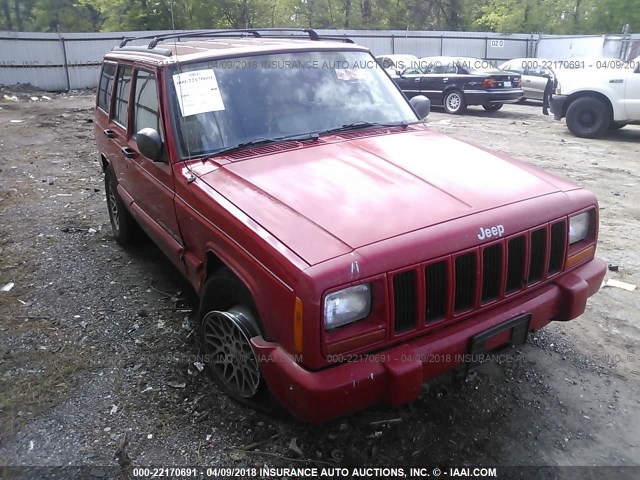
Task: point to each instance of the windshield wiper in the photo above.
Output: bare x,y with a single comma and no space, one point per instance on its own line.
264,141
359,125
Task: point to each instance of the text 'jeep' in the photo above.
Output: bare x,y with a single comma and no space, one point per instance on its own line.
343,252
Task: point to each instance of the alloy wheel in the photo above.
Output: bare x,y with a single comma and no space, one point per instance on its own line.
229,352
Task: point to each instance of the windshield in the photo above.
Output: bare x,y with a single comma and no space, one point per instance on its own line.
220,104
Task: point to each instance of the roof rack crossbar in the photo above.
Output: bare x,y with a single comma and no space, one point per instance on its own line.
126,40
205,33
255,32
336,38
165,52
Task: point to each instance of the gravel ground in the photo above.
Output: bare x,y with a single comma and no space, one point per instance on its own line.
97,343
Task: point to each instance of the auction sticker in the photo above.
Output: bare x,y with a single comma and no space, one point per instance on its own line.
198,92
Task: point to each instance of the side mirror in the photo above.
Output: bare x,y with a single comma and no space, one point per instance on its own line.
421,105
149,143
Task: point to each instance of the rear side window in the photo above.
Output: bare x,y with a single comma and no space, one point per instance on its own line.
104,87
446,68
145,111
538,72
514,67
123,88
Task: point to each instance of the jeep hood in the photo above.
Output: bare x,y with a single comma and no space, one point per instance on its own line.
331,197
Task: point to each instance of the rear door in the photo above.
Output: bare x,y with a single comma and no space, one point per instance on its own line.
117,131
103,131
528,82
535,81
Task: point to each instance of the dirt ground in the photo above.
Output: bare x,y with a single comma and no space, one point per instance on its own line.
97,342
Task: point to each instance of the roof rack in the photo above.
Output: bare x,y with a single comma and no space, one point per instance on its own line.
254,32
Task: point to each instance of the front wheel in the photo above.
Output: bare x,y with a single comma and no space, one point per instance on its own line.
454,102
228,321
588,117
492,107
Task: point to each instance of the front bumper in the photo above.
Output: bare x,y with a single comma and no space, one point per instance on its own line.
483,97
395,375
558,106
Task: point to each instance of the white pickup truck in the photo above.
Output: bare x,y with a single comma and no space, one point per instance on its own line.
598,99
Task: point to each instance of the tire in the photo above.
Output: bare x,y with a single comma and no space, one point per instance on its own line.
617,125
228,319
125,229
588,117
492,107
454,102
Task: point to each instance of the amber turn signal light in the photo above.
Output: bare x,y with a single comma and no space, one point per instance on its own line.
580,256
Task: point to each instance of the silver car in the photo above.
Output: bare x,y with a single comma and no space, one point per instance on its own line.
534,72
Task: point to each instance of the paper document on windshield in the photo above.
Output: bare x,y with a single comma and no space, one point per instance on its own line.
198,92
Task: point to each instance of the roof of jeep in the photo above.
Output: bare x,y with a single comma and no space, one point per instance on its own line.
180,51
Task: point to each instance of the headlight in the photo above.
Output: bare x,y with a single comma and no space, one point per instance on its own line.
558,90
347,306
579,227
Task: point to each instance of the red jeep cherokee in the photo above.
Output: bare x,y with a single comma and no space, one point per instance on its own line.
343,252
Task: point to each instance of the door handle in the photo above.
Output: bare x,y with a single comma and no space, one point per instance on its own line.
128,152
416,80
109,133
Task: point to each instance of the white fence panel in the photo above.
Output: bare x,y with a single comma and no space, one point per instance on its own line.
420,47
71,60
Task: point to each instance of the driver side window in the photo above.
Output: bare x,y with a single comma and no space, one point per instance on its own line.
145,107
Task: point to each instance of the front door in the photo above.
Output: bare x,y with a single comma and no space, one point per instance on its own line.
438,77
410,82
152,183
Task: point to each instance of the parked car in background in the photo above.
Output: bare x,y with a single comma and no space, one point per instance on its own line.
608,98
396,63
342,251
534,72
457,82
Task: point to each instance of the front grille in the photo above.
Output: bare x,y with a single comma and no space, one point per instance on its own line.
405,300
436,281
537,252
558,241
516,263
491,272
465,281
